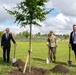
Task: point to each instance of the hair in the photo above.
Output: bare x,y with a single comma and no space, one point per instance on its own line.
51,31
7,29
74,25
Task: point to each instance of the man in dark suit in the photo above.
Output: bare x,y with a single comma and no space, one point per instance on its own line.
5,44
72,42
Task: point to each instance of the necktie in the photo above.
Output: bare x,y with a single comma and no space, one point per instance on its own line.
7,36
75,38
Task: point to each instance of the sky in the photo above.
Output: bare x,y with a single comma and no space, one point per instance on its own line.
60,20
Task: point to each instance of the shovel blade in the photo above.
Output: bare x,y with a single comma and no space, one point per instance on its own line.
13,60
69,63
48,60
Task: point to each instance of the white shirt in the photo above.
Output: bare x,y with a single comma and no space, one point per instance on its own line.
7,35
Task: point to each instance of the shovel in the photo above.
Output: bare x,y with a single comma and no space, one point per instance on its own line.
14,59
48,59
69,61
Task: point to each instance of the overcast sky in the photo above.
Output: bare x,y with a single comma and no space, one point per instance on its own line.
60,20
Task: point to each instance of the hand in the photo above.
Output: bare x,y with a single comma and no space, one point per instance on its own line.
15,44
47,43
1,46
56,45
69,45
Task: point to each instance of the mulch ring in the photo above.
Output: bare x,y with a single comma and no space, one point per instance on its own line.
60,69
34,70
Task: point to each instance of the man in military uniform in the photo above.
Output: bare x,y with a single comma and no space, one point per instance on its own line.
52,44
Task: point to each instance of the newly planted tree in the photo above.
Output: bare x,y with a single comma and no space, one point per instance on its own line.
29,12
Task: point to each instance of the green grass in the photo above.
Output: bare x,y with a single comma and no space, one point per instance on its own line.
39,55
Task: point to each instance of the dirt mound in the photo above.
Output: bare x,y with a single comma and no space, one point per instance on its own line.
34,70
18,63
60,69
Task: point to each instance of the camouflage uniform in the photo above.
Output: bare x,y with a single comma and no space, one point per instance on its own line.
52,44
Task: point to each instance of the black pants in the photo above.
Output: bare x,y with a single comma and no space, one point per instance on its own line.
6,54
75,53
74,49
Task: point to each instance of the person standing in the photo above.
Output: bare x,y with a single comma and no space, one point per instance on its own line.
6,44
72,41
52,44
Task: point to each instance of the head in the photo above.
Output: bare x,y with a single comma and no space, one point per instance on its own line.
51,33
74,27
7,30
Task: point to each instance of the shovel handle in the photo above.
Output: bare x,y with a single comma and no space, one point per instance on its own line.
14,50
69,53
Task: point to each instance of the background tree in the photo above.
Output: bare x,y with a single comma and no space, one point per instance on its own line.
1,33
29,12
26,34
66,36
38,34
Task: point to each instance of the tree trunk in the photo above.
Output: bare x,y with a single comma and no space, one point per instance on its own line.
30,47
29,51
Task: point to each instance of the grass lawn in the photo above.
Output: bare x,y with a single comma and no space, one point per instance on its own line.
39,55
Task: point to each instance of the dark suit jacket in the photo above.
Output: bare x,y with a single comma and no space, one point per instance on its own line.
71,41
6,42
71,38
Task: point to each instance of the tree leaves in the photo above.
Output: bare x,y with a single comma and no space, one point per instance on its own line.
29,11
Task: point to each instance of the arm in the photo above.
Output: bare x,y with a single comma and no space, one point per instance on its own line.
2,41
70,39
56,42
48,40
13,39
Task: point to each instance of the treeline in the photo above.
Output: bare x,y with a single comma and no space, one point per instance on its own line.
38,36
